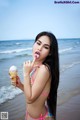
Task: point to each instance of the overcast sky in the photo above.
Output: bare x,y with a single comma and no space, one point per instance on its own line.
24,19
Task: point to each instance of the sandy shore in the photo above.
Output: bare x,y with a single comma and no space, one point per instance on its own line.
68,107
15,107
70,110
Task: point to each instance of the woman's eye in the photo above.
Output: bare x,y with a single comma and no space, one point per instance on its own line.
46,47
38,43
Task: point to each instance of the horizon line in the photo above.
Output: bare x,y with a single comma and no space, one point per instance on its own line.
34,39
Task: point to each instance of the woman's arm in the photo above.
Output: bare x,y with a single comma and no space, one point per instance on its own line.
32,93
18,83
21,86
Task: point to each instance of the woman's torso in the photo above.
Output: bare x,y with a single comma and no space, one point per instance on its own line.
38,106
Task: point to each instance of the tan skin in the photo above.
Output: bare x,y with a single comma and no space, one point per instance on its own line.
33,94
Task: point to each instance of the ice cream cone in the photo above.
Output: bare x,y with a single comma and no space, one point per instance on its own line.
13,73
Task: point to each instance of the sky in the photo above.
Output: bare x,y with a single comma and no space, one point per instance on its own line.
24,19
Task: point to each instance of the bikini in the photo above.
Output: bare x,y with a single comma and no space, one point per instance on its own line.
47,114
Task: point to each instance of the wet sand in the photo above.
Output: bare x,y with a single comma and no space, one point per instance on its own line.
15,107
68,107
70,110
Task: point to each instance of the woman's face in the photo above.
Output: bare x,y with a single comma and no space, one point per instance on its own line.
41,48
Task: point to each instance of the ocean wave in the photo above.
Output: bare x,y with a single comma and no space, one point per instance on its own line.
14,51
67,66
18,43
16,56
8,92
65,50
21,50
23,55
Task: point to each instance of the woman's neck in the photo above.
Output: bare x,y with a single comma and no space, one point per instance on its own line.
37,63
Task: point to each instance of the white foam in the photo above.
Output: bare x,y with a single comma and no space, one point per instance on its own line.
67,66
15,51
21,50
65,50
8,92
18,43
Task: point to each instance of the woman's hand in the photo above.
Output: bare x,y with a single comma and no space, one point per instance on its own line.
17,82
27,67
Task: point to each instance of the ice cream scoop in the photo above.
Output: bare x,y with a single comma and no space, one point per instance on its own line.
13,73
37,54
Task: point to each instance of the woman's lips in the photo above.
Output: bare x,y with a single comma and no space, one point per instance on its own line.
37,54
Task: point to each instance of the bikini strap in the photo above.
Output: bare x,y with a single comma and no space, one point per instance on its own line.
32,73
42,117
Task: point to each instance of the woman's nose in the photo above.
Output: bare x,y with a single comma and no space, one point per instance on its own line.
40,48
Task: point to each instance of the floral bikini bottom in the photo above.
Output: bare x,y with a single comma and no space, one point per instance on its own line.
47,116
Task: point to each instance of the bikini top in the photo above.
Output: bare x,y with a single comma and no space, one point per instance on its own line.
44,93
32,76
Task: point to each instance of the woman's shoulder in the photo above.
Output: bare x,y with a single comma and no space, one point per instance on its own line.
44,68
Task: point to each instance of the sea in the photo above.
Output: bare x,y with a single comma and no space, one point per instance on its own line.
15,52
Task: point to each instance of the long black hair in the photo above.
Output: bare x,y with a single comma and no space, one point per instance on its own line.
52,60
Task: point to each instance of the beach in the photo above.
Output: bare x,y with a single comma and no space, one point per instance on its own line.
12,100
67,111
70,110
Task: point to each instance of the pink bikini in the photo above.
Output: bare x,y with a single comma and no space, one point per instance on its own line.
47,114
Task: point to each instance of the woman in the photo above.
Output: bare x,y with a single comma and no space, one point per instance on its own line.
41,79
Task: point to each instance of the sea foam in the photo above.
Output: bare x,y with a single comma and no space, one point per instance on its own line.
8,92
15,51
